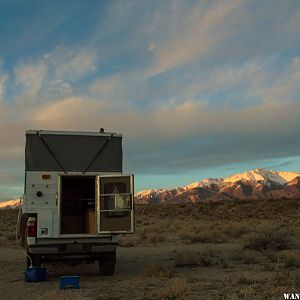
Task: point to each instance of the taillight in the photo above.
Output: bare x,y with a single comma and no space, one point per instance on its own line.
31,227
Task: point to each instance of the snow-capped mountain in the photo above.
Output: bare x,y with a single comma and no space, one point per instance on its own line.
254,184
204,182
10,204
267,176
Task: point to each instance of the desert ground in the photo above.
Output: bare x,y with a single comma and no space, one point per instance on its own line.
226,250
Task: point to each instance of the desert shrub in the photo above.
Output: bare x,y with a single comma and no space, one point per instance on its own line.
237,230
187,258
178,289
207,236
245,279
291,258
262,291
273,238
142,233
155,269
273,257
4,243
155,238
154,228
177,227
272,267
138,222
128,241
281,278
152,234
246,256
190,259
225,262
10,236
296,230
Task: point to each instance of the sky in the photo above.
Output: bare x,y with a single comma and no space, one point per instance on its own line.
198,88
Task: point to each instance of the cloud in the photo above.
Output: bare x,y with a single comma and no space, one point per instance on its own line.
48,77
285,87
29,79
174,131
105,87
3,81
208,33
72,65
60,87
190,84
193,37
188,117
69,112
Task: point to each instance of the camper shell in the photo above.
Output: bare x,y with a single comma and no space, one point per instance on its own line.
76,198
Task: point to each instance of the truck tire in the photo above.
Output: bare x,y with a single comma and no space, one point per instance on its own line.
35,259
107,263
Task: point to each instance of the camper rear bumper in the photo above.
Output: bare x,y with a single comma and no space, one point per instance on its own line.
72,246
78,249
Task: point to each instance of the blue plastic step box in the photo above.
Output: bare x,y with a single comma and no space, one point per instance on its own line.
35,274
69,281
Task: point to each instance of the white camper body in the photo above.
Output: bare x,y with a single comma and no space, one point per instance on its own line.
76,210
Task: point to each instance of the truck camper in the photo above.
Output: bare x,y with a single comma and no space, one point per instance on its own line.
76,198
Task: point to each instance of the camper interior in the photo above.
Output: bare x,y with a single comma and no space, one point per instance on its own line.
79,204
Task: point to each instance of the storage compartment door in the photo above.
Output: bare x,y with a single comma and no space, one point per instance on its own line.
115,211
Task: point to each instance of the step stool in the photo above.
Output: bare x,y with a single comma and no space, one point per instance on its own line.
69,281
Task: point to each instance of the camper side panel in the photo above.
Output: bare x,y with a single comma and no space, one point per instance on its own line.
41,192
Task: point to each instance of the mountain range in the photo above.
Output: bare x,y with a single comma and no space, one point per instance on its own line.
10,204
254,184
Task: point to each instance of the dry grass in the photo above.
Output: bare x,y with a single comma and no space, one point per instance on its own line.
10,236
155,269
271,238
203,243
151,234
237,230
228,211
291,258
262,291
128,241
206,236
245,279
246,256
187,259
8,220
155,238
177,289
280,277
192,259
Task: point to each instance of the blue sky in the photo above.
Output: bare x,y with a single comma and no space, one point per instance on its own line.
198,88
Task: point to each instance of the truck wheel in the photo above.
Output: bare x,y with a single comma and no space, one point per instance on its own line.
107,263
35,259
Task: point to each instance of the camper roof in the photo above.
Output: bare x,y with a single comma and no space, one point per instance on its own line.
66,151
58,132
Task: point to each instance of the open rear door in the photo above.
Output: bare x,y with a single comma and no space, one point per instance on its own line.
115,211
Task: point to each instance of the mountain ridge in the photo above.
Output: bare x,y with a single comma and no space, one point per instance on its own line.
257,183
10,204
254,184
